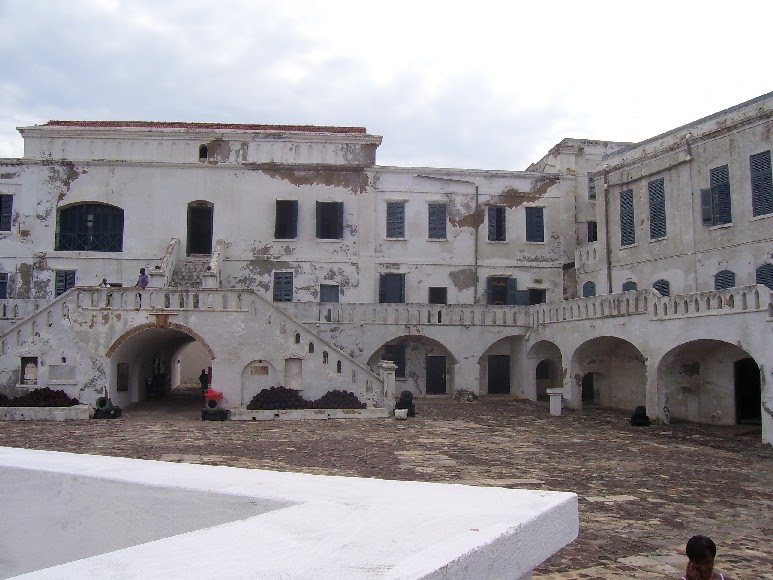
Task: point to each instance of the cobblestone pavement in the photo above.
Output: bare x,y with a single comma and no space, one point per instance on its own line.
643,491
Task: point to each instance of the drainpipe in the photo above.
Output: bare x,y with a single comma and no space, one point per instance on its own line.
476,233
607,242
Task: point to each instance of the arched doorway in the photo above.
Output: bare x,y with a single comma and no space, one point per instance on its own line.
545,362
609,372
142,362
710,381
424,365
200,227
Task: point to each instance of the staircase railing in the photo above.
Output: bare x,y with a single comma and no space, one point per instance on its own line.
159,275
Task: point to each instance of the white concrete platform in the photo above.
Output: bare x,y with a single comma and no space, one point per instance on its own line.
74,413
83,516
244,414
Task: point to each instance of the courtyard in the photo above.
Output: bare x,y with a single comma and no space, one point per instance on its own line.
642,491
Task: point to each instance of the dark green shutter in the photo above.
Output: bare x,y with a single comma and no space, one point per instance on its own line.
283,286
437,221
663,287
395,226
535,224
340,229
627,231
762,189
512,288
765,275
724,279
6,212
589,289
657,197
3,286
720,193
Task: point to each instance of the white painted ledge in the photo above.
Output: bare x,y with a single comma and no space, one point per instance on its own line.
74,413
293,525
244,414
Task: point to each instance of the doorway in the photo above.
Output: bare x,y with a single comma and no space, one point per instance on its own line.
436,375
200,220
588,394
498,374
747,392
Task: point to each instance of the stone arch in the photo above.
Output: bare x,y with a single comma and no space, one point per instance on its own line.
619,373
544,370
699,381
423,363
499,372
257,375
171,325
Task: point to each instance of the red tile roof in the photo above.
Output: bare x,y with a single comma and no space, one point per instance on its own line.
207,126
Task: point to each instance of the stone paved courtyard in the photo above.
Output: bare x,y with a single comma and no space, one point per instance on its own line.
643,491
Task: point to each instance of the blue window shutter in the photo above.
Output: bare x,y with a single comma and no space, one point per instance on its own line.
535,224
593,232
286,219
395,226
707,207
3,286
522,298
591,186
283,286
724,279
588,289
762,188
629,286
512,288
319,219
765,275
627,231
489,289
496,223
663,287
437,221
6,212
63,281
294,219
720,192
657,197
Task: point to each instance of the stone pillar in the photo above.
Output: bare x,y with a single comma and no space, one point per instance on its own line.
556,396
467,376
572,388
386,370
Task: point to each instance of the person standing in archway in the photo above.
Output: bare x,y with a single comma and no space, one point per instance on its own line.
204,380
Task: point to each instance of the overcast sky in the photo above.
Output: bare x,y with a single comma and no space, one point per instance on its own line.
481,84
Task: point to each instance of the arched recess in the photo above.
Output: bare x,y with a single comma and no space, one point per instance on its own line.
142,360
618,370
256,376
709,381
499,372
544,370
424,365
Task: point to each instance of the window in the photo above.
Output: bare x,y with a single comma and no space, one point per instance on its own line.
765,275
395,219
496,223
328,292
593,232
657,195
535,224
396,353
591,186
715,201
627,231
391,288
500,290
724,279
91,227
629,286
6,212
286,224
203,152
536,296
436,221
330,220
762,189
589,289
29,370
3,285
438,295
663,287
63,281
283,286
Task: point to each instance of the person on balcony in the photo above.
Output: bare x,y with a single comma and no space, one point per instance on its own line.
143,280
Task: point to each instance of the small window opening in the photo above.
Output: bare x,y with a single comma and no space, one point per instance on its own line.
311,347
338,366
324,357
297,338
203,153
29,370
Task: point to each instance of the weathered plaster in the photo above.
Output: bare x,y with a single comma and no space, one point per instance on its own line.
355,181
463,279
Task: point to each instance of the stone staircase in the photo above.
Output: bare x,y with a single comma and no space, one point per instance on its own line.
188,273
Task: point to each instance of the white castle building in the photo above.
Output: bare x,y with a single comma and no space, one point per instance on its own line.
625,274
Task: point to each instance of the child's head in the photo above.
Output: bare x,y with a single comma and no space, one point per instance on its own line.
701,551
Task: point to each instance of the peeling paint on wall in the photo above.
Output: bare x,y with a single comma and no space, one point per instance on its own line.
355,181
8,175
463,279
63,176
